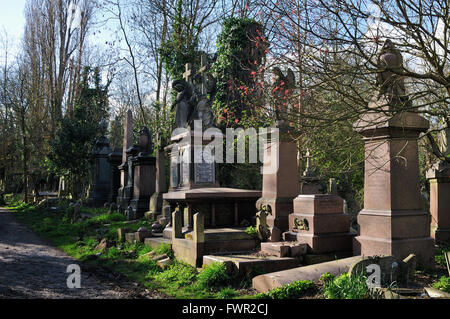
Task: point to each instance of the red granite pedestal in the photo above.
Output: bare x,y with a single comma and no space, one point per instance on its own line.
393,221
439,178
280,183
319,221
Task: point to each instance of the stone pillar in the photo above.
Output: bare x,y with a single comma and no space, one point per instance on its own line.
393,221
127,143
199,228
439,179
143,175
114,160
280,181
177,224
156,200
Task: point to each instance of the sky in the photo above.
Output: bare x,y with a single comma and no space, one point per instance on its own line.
11,17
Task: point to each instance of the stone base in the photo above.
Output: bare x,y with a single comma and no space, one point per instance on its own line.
155,207
441,236
423,248
140,206
98,195
396,233
323,243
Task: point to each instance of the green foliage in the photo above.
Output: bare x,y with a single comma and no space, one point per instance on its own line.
213,276
327,278
252,231
226,293
178,275
439,256
182,45
345,287
443,284
241,47
71,148
294,290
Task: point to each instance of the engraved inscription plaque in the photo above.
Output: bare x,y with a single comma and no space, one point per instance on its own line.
204,172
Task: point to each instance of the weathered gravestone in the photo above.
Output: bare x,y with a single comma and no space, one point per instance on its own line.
393,221
280,179
100,170
124,192
142,177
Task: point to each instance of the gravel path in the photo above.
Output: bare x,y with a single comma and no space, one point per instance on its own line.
30,268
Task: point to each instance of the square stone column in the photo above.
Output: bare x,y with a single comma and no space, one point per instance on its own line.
280,182
393,221
143,183
439,179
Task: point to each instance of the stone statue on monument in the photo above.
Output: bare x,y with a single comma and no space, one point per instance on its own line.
282,89
192,100
389,79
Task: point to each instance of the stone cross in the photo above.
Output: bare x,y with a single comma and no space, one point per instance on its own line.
202,72
309,170
188,73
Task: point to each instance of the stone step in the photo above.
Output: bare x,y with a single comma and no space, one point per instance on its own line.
157,241
284,249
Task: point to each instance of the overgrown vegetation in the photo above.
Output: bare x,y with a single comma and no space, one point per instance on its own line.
213,275
80,239
443,284
345,287
293,290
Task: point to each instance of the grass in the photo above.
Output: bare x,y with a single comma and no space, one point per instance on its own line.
439,255
443,284
345,287
79,240
294,290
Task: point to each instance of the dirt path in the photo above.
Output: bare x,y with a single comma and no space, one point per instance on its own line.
30,268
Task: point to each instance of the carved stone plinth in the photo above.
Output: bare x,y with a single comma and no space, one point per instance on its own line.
280,182
319,221
143,183
393,221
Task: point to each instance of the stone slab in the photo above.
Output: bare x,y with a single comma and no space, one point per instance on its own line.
212,193
245,264
155,242
284,249
264,283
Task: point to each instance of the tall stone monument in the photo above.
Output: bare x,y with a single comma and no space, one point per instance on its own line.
100,170
122,198
143,176
392,221
280,180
